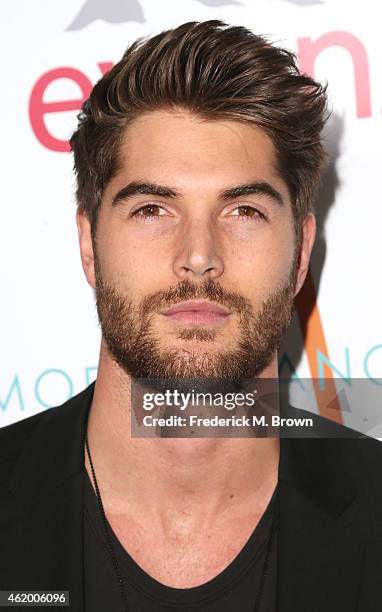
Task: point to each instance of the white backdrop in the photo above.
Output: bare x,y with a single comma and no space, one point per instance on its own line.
52,53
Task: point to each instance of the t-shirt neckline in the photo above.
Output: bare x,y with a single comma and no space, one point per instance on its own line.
213,588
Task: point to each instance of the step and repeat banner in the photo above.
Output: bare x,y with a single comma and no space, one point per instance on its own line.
52,54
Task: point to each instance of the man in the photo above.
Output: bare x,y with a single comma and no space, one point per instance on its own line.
197,158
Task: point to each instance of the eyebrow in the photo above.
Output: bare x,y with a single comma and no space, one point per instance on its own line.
147,188
254,188
144,188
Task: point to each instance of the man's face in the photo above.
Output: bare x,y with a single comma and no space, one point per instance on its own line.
197,212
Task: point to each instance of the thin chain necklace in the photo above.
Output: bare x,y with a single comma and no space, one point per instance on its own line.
116,567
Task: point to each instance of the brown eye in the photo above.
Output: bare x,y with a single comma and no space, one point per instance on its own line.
149,210
248,212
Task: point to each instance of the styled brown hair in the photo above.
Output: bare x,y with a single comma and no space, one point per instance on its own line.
214,71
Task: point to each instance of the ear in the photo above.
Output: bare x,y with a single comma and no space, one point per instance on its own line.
308,235
86,246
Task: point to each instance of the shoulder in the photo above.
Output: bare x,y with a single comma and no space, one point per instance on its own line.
16,437
13,439
342,457
356,449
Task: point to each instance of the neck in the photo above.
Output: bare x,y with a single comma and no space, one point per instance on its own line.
206,476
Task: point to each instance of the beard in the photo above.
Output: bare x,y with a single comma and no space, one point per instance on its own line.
133,344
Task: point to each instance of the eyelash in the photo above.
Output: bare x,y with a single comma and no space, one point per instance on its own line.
256,218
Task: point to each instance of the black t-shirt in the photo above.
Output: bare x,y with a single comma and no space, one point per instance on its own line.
235,588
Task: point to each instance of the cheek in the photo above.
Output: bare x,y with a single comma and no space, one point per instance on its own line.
133,266
264,260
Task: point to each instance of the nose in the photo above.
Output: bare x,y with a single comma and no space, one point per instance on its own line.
197,255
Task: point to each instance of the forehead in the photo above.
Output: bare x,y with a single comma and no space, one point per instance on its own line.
177,145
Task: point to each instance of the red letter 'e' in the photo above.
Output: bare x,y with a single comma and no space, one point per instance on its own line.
38,108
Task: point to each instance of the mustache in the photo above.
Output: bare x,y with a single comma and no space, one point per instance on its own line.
186,290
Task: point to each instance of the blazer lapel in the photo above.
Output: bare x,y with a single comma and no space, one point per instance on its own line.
320,547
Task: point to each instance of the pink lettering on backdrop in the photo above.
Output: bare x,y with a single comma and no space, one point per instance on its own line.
309,49
38,108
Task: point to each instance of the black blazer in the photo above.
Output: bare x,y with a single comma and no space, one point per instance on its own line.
330,492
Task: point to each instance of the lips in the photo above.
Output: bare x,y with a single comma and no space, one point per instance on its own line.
197,312
197,306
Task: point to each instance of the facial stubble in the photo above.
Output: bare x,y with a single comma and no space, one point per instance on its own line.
128,331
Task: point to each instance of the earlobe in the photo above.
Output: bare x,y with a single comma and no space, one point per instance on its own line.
308,235
86,246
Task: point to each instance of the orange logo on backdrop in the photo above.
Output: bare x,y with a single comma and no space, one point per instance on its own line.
314,340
